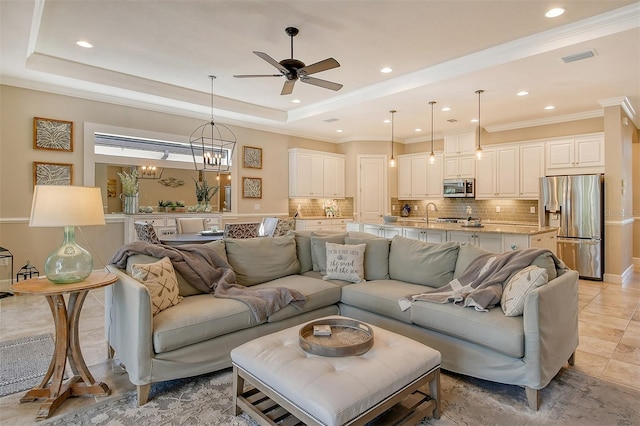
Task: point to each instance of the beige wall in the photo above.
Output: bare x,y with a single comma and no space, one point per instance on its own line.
635,151
19,106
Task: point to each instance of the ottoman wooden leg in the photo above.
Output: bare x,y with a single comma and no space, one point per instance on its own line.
238,387
434,391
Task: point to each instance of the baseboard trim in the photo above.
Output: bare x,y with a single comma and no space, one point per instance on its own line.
619,279
635,261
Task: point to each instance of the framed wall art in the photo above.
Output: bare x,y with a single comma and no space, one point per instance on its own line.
52,173
251,157
53,135
251,187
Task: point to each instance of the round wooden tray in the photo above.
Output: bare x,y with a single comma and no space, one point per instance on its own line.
348,338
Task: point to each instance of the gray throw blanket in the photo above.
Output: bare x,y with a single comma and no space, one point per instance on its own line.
204,269
480,286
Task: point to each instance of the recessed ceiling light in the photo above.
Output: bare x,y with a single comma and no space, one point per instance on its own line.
445,109
522,93
85,44
474,120
386,70
418,129
296,101
387,121
554,13
549,107
339,131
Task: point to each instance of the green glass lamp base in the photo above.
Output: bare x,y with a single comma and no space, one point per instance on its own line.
70,263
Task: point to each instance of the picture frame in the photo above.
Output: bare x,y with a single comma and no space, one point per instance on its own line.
52,135
52,173
251,187
251,157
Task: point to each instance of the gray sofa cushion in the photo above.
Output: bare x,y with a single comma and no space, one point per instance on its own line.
203,317
491,329
423,263
303,250
319,249
258,260
380,297
376,256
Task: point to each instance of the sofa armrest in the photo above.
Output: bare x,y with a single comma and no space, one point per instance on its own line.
551,327
129,325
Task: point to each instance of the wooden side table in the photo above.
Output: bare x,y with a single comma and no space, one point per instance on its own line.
67,347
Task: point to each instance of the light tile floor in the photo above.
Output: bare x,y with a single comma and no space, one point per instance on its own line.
609,347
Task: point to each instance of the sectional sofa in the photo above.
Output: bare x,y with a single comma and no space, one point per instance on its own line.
197,334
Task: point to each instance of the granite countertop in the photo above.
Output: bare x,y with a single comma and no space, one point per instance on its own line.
323,217
503,228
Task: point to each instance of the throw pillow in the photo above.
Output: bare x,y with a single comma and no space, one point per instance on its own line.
345,262
376,256
160,279
258,260
319,250
418,262
519,286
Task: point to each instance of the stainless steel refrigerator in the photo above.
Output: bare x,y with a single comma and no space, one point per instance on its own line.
575,205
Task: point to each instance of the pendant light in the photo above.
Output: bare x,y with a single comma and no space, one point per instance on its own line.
479,149
392,162
212,144
432,156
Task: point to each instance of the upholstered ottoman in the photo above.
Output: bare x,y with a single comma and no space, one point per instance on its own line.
287,381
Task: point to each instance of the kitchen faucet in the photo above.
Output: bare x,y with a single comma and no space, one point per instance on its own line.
426,210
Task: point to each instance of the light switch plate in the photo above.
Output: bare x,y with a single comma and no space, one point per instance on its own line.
497,209
532,210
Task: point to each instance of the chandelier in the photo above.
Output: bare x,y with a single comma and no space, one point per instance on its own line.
212,144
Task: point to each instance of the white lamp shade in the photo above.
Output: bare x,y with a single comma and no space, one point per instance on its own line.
64,205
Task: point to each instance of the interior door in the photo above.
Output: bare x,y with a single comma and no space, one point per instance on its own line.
372,198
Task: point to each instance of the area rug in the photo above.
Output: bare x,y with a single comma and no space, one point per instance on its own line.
24,362
571,398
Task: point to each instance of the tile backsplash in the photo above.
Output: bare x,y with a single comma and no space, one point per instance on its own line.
518,211
313,207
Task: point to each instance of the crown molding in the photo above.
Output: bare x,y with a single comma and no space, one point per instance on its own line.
626,106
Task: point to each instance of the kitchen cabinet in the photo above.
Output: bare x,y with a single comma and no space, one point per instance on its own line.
577,155
428,235
486,240
531,170
510,171
382,231
418,178
324,224
547,240
460,144
315,174
459,167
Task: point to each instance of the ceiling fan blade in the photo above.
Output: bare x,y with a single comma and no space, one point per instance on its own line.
257,75
288,87
327,64
273,62
321,83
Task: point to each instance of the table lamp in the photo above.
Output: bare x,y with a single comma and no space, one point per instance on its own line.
67,206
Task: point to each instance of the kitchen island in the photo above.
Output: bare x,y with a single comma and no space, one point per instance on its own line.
495,237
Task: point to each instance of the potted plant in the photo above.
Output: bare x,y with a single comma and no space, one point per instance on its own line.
162,205
204,192
179,207
129,194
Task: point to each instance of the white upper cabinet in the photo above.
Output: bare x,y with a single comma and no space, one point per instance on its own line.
460,167
315,174
582,154
460,144
531,169
510,171
418,178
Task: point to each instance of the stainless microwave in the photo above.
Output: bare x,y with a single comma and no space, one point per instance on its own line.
459,188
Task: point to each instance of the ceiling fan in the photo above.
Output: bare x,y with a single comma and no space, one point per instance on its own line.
294,69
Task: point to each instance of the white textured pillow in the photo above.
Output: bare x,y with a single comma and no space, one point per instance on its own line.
519,286
160,279
345,262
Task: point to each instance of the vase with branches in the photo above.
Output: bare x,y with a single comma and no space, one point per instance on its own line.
130,189
204,192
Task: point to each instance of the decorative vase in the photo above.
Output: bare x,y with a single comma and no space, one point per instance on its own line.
70,263
129,203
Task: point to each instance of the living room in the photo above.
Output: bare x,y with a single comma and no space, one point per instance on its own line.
23,100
